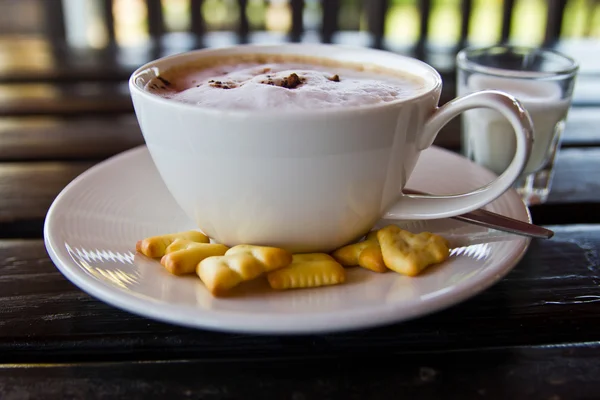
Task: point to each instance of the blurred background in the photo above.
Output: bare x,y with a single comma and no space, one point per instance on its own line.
85,20
399,25
83,51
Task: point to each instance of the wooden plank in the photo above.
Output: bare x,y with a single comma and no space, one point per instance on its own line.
66,99
571,182
47,319
73,73
582,127
561,372
38,138
29,188
566,203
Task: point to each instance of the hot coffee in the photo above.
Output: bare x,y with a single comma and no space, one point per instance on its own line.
263,82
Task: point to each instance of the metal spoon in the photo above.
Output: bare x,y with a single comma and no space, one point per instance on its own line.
499,222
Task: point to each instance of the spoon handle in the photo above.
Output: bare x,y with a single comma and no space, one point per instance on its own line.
499,222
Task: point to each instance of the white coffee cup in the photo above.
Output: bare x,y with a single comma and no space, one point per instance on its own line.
310,180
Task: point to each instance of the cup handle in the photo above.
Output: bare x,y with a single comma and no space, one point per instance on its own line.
411,207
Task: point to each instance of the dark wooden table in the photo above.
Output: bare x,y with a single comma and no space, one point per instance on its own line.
534,335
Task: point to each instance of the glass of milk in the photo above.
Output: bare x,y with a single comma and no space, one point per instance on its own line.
542,80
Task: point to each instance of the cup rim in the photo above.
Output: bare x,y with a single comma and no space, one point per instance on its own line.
463,63
436,85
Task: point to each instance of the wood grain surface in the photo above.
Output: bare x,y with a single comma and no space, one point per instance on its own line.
535,372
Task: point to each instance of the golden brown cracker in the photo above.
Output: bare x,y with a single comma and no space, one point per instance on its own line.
366,254
240,263
271,257
308,270
156,246
408,253
182,256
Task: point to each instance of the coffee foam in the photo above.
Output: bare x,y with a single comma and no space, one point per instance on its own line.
258,84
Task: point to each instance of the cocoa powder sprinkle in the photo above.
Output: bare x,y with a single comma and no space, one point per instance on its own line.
163,80
292,81
224,85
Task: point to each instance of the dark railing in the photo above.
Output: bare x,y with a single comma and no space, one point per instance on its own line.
375,11
115,62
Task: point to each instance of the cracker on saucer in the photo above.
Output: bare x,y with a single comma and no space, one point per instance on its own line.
183,256
408,253
240,263
156,246
308,270
366,254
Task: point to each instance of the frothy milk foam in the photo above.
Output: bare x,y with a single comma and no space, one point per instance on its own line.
490,137
265,82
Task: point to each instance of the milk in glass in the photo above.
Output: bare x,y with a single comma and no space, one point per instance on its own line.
489,138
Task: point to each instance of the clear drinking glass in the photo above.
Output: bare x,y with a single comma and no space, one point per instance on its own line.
542,80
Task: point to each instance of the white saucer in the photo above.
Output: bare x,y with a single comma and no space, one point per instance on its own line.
92,227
